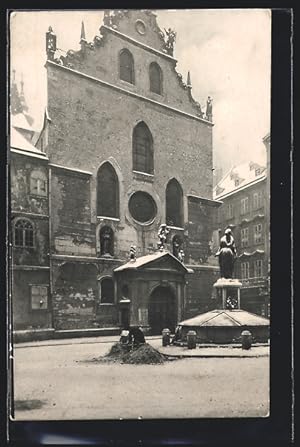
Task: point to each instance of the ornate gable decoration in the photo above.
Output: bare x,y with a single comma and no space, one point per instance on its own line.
141,25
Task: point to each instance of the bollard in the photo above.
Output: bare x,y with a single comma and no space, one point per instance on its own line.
166,337
191,339
246,337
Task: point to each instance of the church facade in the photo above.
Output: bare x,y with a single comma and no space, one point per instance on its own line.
124,149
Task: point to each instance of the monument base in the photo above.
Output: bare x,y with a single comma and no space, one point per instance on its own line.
228,293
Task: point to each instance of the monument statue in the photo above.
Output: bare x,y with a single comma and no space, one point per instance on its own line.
227,254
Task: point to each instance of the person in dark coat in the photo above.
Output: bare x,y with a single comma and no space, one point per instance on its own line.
136,336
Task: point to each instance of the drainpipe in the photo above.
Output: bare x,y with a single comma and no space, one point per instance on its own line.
50,245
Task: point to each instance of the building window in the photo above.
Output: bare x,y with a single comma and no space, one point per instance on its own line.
258,268
107,191
245,270
229,211
106,241
107,293
38,183
142,149
155,76
142,207
23,231
174,204
126,66
244,237
257,200
39,297
244,205
258,234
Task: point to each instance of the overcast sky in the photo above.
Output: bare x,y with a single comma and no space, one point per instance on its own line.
228,53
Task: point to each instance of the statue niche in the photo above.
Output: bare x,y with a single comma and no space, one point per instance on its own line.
106,242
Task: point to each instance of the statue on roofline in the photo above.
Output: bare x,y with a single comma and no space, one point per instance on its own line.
170,40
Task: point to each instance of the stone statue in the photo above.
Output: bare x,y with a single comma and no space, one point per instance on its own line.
181,256
209,109
227,254
107,18
171,37
132,253
106,238
176,247
162,235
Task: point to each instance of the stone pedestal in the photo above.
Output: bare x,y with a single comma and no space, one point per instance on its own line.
228,290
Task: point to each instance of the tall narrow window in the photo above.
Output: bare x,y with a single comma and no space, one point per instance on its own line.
258,236
258,268
23,233
155,76
244,205
126,66
244,237
107,291
107,191
142,149
245,270
174,204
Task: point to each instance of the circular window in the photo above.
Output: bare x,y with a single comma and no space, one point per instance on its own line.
140,27
142,207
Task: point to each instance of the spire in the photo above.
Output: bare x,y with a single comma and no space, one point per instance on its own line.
188,82
82,35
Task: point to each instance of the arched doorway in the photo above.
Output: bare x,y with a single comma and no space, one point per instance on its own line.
162,311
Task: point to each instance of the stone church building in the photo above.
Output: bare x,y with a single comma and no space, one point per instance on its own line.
124,148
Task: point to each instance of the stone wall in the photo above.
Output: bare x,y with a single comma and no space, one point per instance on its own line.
23,316
72,232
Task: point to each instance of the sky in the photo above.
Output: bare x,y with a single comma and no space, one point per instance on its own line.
228,53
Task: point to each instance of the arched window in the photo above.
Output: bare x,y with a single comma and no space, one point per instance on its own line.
142,149
155,76
106,241
23,233
107,292
107,191
126,66
174,204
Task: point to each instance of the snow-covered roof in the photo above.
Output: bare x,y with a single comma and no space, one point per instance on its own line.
238,178
147,259
219,317
17,141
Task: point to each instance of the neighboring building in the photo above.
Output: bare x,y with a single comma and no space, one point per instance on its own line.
30,262
245,209
129,149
